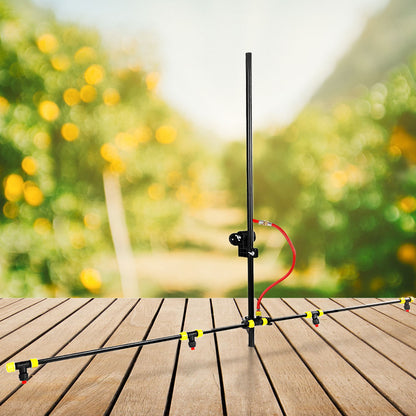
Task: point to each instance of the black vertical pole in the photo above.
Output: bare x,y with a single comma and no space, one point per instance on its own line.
250,198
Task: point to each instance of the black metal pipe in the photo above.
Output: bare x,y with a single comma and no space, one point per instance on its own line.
342,309
369,305
22,366
108,349
130,345
250,197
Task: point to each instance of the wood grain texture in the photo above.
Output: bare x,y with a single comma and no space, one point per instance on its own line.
20,314
356,363
290,376
51,381
104,374
16,307
147,387
398,314
378,370
246,387
53,341
346,387
412,310
399,353
53,311
5,302
197,373
394,327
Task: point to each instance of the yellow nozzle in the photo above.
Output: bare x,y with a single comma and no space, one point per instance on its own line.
10,367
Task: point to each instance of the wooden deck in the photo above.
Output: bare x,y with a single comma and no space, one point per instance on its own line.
355,363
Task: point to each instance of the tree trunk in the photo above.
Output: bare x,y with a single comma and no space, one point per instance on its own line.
120,235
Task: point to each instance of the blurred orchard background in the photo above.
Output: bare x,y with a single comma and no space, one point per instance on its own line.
122,160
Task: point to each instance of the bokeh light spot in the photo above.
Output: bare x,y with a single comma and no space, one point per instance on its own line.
142,134
42,226
126,141
111,96
10,210
77,240
156,192
407,253
72,96
88,93
109,152
29,165
166,134
117,166
4,105
152,80
94,74
70,132
91,279
33,195
408,204
85,54
13,187
47,43
60,62
42,140
92,221
48,110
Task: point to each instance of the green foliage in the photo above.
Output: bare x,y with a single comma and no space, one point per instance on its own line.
67,116
343,184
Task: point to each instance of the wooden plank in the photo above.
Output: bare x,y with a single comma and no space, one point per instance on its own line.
246,387
17,307
377,369
197,385
346,387
412,309
4,302
399,353
298,390
389,325
53,341
399,315
147,387
52,380
54,311
94,390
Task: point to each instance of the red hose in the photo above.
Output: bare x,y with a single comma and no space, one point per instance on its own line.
270,224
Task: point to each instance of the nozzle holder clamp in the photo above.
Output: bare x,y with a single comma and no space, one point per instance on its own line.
240,239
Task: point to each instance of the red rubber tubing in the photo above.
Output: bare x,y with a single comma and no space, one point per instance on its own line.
291,268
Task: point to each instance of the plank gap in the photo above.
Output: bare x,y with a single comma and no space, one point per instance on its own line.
23,309
264,368
44,332
366,342
386,314
217,353
12,302
132,364
315,376
68,387
381,328
175,367
367,379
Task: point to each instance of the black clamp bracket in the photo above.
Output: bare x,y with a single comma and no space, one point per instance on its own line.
240,239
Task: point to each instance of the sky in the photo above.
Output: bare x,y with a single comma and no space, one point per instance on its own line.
198,47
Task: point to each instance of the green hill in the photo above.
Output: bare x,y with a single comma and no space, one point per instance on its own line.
388,39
